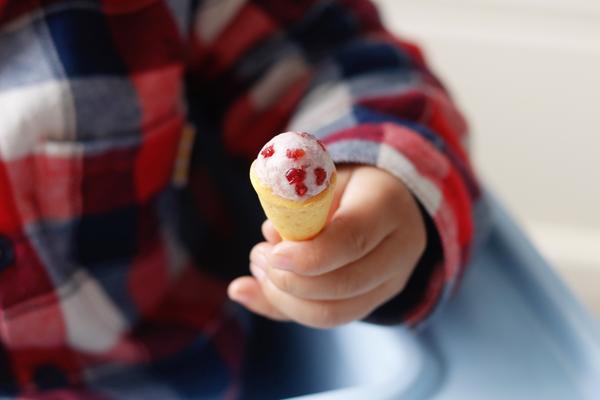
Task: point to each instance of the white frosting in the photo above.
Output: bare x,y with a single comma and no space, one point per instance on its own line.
272,170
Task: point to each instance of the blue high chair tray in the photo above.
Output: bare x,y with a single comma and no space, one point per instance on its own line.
513,331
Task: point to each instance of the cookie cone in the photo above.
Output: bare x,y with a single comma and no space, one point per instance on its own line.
295,220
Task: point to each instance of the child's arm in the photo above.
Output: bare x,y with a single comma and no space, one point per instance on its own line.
329,67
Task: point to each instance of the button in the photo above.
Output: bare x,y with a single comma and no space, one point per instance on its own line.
7,254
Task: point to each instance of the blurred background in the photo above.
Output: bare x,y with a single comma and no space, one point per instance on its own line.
527,75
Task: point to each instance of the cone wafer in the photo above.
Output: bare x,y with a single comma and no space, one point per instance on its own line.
295,178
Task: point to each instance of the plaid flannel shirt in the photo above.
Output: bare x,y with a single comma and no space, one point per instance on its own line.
117,238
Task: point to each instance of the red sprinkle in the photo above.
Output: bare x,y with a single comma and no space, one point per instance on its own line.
268,152
320,176
322,145
294,154
301,189
295,175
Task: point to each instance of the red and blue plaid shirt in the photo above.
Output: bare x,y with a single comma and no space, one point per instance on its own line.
126,132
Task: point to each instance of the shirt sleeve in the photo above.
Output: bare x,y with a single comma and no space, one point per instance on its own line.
331,68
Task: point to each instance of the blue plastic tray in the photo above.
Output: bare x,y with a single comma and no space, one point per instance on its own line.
513,331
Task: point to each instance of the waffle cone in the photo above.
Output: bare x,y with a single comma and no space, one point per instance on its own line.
295,220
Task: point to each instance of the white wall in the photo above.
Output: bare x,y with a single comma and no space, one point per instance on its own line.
527,73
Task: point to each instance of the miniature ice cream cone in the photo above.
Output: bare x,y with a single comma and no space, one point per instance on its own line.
294,178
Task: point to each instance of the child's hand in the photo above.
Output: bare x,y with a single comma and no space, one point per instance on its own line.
362,258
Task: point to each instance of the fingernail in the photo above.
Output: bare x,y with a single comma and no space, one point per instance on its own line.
280,258
239,295
257,271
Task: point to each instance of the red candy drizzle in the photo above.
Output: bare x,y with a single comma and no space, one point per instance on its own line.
301,189
268,151
322,145
294,154
307,135
296,176
320,176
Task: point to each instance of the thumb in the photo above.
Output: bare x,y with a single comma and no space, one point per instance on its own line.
248,292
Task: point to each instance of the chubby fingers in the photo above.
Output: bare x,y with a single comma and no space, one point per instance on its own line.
328,313
327,300
354,279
